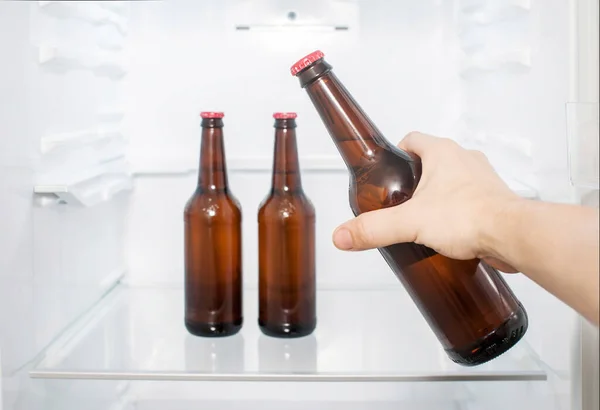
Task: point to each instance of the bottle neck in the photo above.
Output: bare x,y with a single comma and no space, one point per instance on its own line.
212,175
286,168
357,138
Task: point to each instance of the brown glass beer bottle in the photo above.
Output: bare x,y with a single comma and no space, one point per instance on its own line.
468,305
213,242
286,241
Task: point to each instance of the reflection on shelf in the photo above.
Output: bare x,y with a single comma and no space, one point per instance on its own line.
364,335
214,355
582,139
282,356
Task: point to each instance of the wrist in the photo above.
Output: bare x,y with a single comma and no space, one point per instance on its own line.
502,219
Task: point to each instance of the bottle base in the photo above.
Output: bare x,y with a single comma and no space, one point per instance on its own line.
221,329
494,344
286,331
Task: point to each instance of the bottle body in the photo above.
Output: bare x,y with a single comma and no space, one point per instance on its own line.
213,245
468,305
286,237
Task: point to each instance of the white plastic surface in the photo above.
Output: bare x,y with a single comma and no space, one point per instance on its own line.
89,192
101,63
487,12
85,167
84,137
93,13
582,132
301,17
377,335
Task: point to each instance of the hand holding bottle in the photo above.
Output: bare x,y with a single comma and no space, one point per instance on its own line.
456,201
462,209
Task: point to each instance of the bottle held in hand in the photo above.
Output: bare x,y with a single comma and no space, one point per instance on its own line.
467,303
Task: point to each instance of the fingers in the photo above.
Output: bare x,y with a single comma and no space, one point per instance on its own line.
417,142
377,228
420,143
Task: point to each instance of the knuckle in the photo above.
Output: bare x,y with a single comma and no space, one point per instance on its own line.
408,138
478,154
412,135
444,145
449,143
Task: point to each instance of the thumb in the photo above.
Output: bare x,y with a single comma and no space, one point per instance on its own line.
379,228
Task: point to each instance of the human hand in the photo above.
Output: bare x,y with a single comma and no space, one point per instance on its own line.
457,204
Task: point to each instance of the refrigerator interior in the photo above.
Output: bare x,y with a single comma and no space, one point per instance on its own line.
99,145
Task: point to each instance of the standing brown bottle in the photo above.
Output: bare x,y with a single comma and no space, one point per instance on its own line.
213,242
468,305
286,241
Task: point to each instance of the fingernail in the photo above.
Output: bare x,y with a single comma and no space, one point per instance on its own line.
342,239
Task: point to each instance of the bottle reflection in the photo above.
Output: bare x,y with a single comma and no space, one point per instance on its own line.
297,355
214,355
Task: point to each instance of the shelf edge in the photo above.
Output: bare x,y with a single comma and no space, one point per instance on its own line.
170,376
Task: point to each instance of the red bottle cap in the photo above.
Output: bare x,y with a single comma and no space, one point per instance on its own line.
285,115
211,114
306,61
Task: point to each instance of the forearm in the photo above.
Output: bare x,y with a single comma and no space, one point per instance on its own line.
555,245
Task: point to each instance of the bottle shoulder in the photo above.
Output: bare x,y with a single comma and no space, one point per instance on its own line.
213,206
389,180
286,206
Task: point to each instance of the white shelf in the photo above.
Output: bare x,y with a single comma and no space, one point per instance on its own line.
487,12
361,335
183,166
95,14
82,137
84,167
101,63
513,61
186,165
89,192
111,114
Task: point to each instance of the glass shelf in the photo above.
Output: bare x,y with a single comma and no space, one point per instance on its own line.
361,335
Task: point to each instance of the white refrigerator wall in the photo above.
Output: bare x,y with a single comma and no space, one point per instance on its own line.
62,246
103,97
